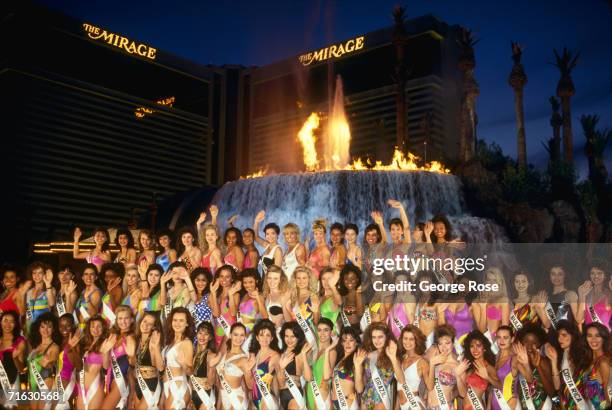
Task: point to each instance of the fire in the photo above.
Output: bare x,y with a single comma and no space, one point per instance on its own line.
400,162
259,173
308,140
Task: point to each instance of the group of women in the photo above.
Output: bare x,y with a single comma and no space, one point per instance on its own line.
218,323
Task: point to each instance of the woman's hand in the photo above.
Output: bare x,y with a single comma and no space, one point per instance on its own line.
377,217
428,228
201,219
235,288
75,338
77,234
165,278
584,289
108,343
391,350
551,352
359,357
261,215
214,286
393,203
214,211
521,353
71,287
285,359
462,367
143,265
481,370
154,340
48,278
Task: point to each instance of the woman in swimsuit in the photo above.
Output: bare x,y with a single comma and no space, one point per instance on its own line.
476,371
354,254
124,240
89,376
188,250
442,365
211,254
251,257
132,287
178,357
319,256
272,254
594,299
234,255
267,354
45,340
68,357
293,363
535,379
427,312
374,247
507,372
12,353
304,299
496,309
459,311
375,371
151,291
146,245
235,370
296,251
324,340
350,288
41,297
597,375
203,370
415,368
421,237
224,301
90,299
100,254
113,274
13,294
444,245
181,293
252,306
67,294
401,310
121,355
563,301
568,356
201,279
276,295
149,363
167,255
341,358
528,307
337,259
331,300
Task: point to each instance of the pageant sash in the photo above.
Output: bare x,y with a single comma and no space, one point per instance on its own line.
310,337
366,319
233,397
64,394
516,323
412,399
342,403
473,398
566,373
4,381
123,389
60,305
205,398
264,391
525,390
440,395
295,392
318,397
345,320
151,398
40,383
379,383
501,401
550,313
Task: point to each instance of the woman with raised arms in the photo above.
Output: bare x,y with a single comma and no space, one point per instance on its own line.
354,254
45,341
442,380
68,357
224,301
67,294
272,254
41,297
594,299
296,252
276,295
100,254
188,250
203,377
235,370
124,240
317,390
293,365
90,388
113,274
149,363
399,233
341,359
152,291
264,346
201,279
337,259
414,367
319,256
178,358
331,300
182,292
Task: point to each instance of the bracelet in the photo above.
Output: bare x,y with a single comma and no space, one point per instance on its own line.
48,288
143,280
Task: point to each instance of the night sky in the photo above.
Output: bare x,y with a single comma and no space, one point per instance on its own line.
261,32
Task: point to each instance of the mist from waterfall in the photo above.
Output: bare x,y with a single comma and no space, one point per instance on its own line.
338,136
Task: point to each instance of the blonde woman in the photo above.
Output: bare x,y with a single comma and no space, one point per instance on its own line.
131,287
211,252
495,305
296,251
276,295
304,303
319,256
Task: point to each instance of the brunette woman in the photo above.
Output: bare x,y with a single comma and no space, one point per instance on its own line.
100,254
352,302
594,298
252,306
149,363
178,356
442,369
124,240
528,305
181,293
564,302
201,279
235,370
90,388
331,300
354,254
506,365
41,297
67,294
317,391
597,374
68,359
293,365
319,256
203,377
460,311
264,346
152,291
188,251
13,293
337,259
112,274
45,341
341,358
415,368
12,355
146,245
272,254
224,301
427,312
234,255
251,256
168,254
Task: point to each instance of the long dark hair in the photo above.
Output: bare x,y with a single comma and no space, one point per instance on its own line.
156,326
228,342
383,360
36,338
449,229
188,334
250,273
211,346
420,341
604,333
238,236
180,248
261,325
578,354
17,328
105,245
486,347
233,273
128,234
88,338
342,289
347,362
297,332
207,274
157,287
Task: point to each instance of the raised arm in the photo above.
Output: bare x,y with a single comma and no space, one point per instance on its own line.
403,217
378,220
258,218
76,253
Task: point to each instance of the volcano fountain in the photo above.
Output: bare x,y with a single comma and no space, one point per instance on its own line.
337,191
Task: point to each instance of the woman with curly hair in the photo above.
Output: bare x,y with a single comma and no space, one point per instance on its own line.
442,379
349,286
100,254
252,305
203,377
597,375
476,371
569,360
304,303
341,359
224,301
293,365
13,292
45,341
234,255
167,253
146,245
178,357
375,371
414,367
12,353
188,251
124,240
149,362
594,298
90,390
264,346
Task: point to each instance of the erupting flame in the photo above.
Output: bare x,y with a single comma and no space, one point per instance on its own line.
398,163
308,140
259,173
337,147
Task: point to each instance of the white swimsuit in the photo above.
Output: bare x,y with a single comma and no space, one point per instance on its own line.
227,367
178,386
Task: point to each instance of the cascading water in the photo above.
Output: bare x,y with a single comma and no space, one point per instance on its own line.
350,196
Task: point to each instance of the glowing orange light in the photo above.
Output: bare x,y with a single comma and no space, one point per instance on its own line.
308,140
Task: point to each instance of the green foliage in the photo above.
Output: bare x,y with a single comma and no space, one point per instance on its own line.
491,156
588,197
561,178
523,185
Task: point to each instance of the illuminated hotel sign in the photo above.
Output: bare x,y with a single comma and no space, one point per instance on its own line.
124,43
335,51
140,112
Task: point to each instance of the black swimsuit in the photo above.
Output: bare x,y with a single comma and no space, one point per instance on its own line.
285,393
145,361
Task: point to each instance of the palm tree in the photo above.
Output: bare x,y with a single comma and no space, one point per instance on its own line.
517,81
400,39
566,62
467,63
596,142
555,122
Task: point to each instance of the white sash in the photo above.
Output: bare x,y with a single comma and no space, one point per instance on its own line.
233,397
550,313
4,381
417,311
412,400
247,343
342,403
345,320
516,323
318,397
440,395
151,398
379,383
525,389
224,325
208,400
566,373
167,305
40,382
366,319
84,313
60,305
264,391
295,392
501,401
64,394
594,315
310,337
177,395
28,312
494,347
398,323
120,381
108,312
473,397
